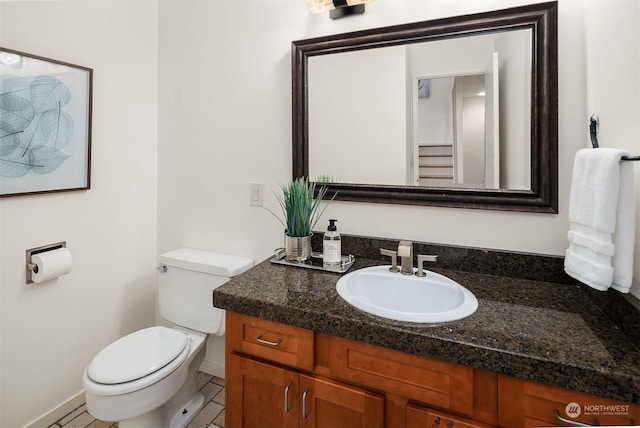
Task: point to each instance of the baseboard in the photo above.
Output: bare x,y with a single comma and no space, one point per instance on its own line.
59,412
212,368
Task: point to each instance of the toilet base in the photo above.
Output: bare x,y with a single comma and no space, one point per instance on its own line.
154,418
157,418
188,401
182,418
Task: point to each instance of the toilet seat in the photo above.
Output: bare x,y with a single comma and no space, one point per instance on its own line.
137,360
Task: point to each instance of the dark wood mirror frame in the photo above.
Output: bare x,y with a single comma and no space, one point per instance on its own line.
540,18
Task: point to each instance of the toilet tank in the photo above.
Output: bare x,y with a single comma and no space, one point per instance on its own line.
185,289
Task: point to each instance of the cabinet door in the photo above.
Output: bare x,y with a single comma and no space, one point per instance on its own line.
329,404
529,404
259,395
427,418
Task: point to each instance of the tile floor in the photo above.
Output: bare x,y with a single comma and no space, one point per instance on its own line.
211,415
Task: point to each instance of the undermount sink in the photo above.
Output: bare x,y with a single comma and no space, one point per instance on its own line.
430,299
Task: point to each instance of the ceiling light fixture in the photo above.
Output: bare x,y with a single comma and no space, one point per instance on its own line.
337,8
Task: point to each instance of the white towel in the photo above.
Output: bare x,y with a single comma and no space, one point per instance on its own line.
624,236
601,220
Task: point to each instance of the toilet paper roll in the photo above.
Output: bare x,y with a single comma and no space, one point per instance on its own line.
51,264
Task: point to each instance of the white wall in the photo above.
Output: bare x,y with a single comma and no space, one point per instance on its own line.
51,331
613,60
224,120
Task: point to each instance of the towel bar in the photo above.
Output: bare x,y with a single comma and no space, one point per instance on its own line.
593,133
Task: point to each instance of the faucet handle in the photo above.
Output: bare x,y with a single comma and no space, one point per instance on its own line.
424,258
394,258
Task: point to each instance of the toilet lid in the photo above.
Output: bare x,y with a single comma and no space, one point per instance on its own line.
137,355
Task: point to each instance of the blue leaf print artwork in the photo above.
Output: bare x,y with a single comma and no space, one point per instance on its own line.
34,127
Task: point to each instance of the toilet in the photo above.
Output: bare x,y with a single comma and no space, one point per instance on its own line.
147,379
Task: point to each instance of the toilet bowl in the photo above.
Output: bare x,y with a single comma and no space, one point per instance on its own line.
131,394
148,379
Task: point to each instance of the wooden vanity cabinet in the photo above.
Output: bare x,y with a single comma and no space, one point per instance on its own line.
283,376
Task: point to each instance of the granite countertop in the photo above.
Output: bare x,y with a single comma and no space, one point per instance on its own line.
551,333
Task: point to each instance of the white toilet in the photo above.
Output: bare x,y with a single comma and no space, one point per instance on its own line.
148,378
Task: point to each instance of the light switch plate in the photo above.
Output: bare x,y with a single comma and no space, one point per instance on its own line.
256,194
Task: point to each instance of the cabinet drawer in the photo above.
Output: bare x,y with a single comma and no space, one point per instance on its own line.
529,404
442,385
418,416
269,340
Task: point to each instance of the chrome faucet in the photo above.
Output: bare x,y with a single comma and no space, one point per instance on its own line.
405,252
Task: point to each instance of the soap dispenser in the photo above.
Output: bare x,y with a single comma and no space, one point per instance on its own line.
331,245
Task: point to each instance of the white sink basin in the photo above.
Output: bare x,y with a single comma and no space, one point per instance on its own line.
430,299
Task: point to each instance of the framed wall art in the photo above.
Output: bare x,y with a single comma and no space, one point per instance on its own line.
45,125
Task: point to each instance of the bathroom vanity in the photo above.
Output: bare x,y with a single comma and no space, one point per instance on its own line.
299,355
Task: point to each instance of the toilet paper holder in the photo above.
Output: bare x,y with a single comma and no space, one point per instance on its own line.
32,267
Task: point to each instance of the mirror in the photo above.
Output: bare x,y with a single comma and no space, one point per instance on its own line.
458,112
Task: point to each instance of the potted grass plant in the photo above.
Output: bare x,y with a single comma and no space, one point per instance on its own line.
301,211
